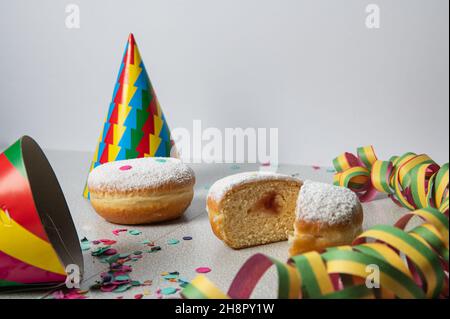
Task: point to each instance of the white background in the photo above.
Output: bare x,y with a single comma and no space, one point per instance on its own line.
310,68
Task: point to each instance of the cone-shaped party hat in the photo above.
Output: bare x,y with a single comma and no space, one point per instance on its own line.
135,125
37,235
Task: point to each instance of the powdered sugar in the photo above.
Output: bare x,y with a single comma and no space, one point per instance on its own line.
319,202
140,173
224,185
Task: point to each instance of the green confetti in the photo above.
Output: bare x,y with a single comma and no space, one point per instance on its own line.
85,244
122,288
183,283
122,278
112,259
168,291
173,241
100,251
134,232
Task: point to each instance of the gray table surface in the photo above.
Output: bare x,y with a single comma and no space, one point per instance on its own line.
205,250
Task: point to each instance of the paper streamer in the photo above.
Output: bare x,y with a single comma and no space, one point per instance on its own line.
384,261
412,181
135,125
37,236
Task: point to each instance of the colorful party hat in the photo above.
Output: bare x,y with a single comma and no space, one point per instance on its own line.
38,239
135,126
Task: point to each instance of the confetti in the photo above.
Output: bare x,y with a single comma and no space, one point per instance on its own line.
107,242
125,167
203,270
110,252
85,244
138,296
187,238
122,278
108,287
169,277
168,291
315,167
116,232
146,292
117,279
122,288
134,232
183,283
154,249
70,294
331,170
173,241
100,251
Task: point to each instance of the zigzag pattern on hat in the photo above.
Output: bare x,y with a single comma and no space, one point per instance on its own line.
135,126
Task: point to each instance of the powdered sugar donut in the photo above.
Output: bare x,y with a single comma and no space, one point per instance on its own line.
326,216
141,191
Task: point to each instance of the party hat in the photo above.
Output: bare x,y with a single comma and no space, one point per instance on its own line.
135,126
38,239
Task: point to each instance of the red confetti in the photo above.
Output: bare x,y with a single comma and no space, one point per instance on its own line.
116,232
107,242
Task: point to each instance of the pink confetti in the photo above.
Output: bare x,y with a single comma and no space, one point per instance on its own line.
70,294
116,232
110,252
108,287
203,270
125,167
138,296
127,268
265,164
316,167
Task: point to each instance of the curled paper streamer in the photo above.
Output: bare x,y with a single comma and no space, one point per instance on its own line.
411,265
408,264
412,181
